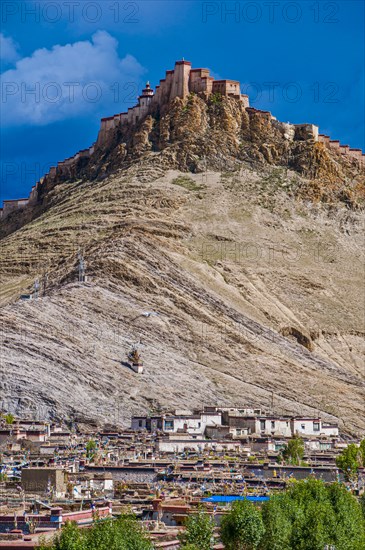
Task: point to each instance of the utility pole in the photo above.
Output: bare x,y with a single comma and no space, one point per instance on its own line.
81,267
37,286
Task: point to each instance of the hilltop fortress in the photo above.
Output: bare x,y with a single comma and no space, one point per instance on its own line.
180,82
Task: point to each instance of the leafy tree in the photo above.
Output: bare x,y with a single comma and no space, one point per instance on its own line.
242,528
70,538
199,529
124,533
311,515
349,460
293,452
278,525
90,448
362,504
349,528
9,418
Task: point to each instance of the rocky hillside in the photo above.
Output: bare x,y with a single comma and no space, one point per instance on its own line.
246,242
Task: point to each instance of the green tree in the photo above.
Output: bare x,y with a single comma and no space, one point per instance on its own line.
199,529
362,504
9,418
349,528
311,515
70,538
124,533
293,452
242,528
349,461
90,448
278,525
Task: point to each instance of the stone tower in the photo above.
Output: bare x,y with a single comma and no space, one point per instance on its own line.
180,79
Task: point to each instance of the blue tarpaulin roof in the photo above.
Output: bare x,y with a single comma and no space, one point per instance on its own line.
232,498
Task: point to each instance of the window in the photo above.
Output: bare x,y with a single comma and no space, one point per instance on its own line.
316,426
273,424
262,425
169,425
140,423
302,426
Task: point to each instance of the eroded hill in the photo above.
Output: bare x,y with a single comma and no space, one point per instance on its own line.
258,290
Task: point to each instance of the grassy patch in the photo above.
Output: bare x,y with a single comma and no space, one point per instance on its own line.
188,183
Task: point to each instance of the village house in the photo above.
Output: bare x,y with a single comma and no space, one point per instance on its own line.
181,421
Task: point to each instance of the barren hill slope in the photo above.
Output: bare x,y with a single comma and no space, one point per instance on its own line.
257,291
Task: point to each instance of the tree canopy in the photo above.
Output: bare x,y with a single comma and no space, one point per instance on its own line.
199,529
120,534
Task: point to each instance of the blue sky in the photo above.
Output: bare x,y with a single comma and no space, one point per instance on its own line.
65,64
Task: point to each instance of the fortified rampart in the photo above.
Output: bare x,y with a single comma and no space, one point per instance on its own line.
335,145
179,82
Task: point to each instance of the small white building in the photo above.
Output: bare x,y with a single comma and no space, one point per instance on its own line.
273,425
181,421
306,426
181,442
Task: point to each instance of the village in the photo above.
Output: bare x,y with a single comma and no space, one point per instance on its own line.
164,467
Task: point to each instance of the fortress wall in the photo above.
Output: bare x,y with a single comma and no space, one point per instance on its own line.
335,145
102,132
227,87
208,84
164,96
144,105
34,192
356,153
130,115
310,130
198,80
84,153
344,149
156,97
12,205
168,84
136,113
109,123
245,100
324,139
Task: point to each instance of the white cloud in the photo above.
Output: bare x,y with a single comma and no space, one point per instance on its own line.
69,81
8,49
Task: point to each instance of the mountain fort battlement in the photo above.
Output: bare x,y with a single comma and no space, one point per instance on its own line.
180,82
